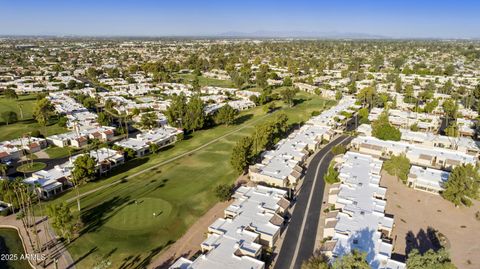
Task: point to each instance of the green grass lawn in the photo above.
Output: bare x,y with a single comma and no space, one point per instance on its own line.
26,101
57,152
127,233
28,124
31,167
10,243
204,81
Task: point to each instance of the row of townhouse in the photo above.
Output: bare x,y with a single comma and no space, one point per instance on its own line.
51,182
239,105
79,138
218,90
418,154
252,222
217,74
124,105
76,113
163,137
359,220
406,119
246,94
462,144
282,166
11,150
35,84
466,127
427,179
305,87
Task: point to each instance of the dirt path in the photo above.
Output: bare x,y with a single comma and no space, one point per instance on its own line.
189,243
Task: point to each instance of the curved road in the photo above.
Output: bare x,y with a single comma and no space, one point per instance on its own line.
299,242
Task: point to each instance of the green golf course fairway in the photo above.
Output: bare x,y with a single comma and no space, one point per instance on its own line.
179,192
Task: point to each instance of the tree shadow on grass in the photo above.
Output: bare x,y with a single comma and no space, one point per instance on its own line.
298,101
83,257
136,262
242,119
95,217
123,168
162,184
147,260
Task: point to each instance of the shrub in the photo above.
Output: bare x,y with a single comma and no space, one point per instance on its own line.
224,192
339,149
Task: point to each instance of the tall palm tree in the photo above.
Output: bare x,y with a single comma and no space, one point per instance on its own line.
95,145
19,189
45,222
20,108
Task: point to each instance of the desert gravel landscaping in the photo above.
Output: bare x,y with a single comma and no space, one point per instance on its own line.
417,212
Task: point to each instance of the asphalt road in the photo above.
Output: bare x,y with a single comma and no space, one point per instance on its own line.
299,240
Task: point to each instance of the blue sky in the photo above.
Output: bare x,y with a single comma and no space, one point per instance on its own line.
406,18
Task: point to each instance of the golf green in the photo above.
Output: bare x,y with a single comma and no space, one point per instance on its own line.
140,214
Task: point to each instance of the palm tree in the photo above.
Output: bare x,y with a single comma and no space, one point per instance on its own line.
19,189
45,222
20,108
95,145
6,193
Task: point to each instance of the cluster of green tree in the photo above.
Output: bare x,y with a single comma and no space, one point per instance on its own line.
149,120
24,200
288,95
224,192
84,99
462,186
429,260
225,115
358,260
10,94
71,85
353,260
363,115
43,111
61,219
382,129
9,116
398,166
339,149
369,98
261,76
189,115
265,136
84,169
423,69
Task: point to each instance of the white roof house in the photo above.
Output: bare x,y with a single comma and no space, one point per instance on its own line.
327,117
462,144
236,241
418,154
405,119
282,165
427,179
161,136
361,224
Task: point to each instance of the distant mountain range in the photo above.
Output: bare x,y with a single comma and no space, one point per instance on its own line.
301,34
